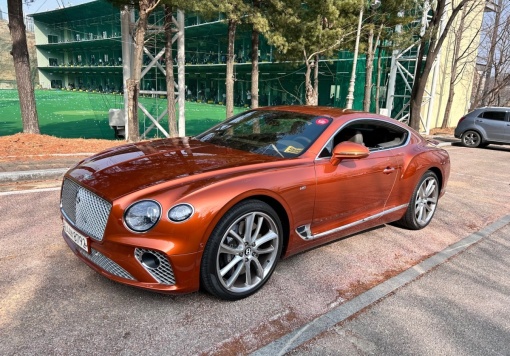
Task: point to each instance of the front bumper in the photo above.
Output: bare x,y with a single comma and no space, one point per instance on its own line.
140,266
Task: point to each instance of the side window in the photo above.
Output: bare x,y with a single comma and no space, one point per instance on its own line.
494,115
374,134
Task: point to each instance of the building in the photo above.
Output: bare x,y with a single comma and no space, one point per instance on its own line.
80,48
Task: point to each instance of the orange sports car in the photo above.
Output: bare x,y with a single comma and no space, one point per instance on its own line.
220,209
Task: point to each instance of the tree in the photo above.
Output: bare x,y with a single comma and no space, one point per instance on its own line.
304,31
432,39
235,11
495,52
169,68
22,67
461,56
380,25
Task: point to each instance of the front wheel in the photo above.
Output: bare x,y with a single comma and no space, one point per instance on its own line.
423,203
242,252
471,139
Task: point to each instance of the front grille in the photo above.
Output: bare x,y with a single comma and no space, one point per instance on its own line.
105,263
87,211
164,273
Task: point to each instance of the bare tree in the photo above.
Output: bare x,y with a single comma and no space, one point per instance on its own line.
495,53
461,57
22,67
433,40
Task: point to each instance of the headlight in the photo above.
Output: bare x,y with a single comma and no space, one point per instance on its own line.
180,213
143,215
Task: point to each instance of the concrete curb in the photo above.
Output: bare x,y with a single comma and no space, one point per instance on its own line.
42,174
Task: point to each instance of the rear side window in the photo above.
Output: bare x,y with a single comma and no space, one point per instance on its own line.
374,134
493,115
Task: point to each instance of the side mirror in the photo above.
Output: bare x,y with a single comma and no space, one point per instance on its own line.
348,150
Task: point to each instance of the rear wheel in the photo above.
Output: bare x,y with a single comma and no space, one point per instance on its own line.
471,139
423,203
242,252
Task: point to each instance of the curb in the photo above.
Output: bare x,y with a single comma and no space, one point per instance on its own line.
42,174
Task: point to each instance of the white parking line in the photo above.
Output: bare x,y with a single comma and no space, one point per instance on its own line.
15,192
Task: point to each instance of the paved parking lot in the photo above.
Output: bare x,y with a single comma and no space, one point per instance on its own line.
54,304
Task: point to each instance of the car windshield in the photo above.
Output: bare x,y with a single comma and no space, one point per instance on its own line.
274,133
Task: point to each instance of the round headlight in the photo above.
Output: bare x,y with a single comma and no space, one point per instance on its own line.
143,215
180,213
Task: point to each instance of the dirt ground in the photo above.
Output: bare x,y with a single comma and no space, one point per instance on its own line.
38,146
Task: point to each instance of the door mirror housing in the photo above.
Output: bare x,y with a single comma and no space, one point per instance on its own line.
348,150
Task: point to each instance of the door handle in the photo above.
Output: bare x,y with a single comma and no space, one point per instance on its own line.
389,170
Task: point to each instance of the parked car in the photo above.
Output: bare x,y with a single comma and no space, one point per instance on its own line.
220,209
484,126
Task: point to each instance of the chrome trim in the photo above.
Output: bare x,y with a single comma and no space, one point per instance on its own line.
317,158
106,264
305,233
163,274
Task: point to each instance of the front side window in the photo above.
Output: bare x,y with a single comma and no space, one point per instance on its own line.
494,115
274,133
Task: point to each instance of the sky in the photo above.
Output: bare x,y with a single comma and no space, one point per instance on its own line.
40,5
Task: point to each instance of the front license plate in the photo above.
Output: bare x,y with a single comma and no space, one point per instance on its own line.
78,238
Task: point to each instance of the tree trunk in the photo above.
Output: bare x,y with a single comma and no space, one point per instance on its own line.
369,69
316,80
492,50
435,42
310,95
254,69
133,86
229,83
378,83
453,72
22,67
170,80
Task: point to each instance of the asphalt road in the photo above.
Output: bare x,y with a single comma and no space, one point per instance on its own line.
51,303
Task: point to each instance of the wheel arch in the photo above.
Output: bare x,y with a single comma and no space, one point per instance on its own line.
282,215
439,175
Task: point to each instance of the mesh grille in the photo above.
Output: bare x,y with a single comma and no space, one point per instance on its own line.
84,209
163,273
105,263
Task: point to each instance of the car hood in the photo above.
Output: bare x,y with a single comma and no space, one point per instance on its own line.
125,169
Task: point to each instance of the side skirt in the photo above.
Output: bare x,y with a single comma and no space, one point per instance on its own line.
305,232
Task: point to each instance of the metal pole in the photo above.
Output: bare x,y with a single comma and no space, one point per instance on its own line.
350,94
180,73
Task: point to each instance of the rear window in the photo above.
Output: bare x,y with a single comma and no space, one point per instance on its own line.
493,115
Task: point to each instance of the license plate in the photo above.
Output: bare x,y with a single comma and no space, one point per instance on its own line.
78,238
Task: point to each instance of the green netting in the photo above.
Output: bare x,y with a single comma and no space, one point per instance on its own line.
69,114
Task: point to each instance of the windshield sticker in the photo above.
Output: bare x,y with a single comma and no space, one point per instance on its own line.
322,121
292,149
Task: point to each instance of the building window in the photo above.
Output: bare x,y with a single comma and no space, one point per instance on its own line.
52,39
53,62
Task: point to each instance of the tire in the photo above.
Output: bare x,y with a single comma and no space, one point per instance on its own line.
235,264
423,203
471,139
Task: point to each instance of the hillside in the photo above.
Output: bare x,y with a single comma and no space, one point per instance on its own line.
6,66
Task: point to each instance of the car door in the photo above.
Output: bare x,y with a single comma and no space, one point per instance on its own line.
495,125
506,129
353,190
